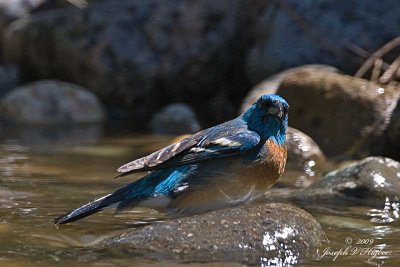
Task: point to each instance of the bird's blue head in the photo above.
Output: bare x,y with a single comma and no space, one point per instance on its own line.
268,117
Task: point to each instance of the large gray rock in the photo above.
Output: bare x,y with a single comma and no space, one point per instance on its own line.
343,114
137,54
51,102
372,180
276,233
294,33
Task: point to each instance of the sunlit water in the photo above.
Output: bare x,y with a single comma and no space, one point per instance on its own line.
44,176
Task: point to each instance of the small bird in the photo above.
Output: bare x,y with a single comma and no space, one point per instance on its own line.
225,165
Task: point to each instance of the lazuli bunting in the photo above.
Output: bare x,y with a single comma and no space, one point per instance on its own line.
225,165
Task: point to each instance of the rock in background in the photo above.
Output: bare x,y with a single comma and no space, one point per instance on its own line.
343,114
51,102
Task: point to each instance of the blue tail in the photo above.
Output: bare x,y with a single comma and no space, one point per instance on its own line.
122,195
159,182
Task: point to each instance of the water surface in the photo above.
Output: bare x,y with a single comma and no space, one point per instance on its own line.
45,175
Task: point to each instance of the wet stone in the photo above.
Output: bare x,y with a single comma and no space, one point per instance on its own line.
271,233
372,180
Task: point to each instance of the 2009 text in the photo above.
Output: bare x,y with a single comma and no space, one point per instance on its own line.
363,241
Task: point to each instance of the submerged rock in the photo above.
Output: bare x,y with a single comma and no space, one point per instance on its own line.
275,233
343,114
51,102
365,181
176,118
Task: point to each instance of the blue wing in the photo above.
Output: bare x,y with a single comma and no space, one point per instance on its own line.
223,140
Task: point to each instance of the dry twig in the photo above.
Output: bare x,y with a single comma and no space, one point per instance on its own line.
378,54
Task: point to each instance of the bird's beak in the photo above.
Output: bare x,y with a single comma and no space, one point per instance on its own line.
276,110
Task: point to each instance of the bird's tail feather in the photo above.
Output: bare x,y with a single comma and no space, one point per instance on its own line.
120,196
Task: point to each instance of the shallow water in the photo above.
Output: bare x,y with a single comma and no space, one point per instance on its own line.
42,176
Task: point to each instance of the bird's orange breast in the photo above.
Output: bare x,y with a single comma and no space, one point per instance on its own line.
270,168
